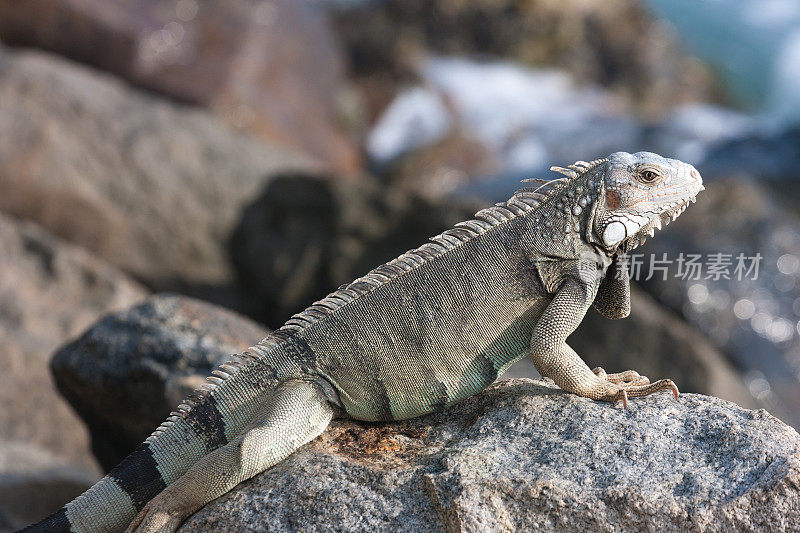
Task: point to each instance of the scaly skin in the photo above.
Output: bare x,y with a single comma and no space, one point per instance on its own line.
417,334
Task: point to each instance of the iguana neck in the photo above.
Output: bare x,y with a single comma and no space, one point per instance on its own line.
562,226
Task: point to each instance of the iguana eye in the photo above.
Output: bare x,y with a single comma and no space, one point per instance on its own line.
648,176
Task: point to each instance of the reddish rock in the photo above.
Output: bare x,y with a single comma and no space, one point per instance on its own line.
151,186
273,68
49,291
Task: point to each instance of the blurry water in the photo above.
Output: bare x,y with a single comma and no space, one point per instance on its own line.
755,44
530,118
526,117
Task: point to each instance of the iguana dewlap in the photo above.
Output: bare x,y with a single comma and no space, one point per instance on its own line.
430,328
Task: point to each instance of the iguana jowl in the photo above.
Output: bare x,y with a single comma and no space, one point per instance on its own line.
430,328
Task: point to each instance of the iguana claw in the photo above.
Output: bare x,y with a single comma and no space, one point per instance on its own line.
636,391
633,385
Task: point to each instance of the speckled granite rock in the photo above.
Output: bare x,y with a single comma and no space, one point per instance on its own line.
129,370
524,456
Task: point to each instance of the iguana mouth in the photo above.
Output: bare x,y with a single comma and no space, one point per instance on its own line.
673,211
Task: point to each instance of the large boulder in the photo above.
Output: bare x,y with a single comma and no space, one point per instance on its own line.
525,456
272,68
126,373
151,186
49,292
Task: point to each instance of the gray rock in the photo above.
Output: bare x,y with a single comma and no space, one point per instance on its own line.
524,456
772,155
128,371
149,185
436,170
49,291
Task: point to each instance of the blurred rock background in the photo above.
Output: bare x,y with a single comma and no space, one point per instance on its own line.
249,156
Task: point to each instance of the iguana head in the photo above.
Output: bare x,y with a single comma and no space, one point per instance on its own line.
640,193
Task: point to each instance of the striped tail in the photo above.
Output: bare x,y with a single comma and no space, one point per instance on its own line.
111,503
209,418
198,428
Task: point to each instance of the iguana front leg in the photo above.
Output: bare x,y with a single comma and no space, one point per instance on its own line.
296,413
554,358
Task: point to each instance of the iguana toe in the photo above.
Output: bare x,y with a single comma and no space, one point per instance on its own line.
626,390
628,378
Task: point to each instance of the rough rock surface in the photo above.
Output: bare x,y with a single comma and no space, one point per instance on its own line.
525,456
273,68
151,186
305,236
49,291
127,372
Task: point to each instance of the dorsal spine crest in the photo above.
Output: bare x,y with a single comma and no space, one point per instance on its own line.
521,203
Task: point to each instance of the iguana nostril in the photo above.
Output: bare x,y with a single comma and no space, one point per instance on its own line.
695,174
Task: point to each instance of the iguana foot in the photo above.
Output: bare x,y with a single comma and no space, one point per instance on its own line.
156,517
631,384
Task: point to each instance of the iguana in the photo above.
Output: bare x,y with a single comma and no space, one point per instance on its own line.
419,333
